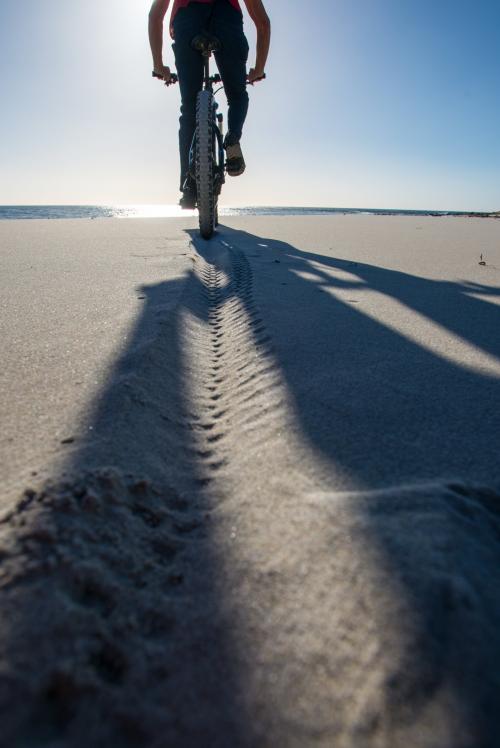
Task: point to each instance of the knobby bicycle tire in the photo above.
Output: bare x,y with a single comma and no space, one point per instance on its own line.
205,163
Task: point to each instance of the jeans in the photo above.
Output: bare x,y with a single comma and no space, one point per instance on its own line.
226,23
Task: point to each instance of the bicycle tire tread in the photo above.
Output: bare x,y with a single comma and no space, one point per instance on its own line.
204,164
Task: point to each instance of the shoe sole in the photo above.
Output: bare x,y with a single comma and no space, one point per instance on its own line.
235,173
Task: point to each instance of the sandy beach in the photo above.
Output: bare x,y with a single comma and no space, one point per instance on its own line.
250,487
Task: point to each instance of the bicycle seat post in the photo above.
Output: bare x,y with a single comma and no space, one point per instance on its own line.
206,67
205,43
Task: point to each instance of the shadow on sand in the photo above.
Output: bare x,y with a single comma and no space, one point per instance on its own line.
387,408
119,630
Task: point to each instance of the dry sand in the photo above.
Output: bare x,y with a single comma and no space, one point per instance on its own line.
250,487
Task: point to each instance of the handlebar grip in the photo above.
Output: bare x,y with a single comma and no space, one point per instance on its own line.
173,77
256,80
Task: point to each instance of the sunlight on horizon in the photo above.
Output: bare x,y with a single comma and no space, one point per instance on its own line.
152,211
164,211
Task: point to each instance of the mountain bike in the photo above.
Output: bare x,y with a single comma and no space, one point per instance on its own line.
206,156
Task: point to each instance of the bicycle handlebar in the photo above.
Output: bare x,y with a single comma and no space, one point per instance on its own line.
213,78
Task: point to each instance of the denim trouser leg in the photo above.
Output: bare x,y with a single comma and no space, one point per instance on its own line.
225,22
227,25
189,63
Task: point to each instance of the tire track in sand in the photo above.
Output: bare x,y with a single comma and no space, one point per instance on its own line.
235,382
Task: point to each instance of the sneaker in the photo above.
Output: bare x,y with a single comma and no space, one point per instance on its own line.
188,199
235,163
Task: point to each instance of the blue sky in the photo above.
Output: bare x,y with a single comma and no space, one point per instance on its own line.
367,104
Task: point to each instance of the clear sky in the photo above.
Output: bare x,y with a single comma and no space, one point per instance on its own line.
369,104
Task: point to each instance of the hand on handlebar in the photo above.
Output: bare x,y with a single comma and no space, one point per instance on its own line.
163,73
255,75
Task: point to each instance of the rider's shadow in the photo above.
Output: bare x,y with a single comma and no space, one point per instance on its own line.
385,405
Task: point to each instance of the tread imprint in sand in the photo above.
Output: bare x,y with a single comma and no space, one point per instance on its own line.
237,383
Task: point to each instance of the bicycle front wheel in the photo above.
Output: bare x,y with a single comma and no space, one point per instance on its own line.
205,163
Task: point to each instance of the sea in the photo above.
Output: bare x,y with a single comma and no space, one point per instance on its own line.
12,212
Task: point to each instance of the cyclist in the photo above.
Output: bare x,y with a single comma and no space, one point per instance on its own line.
223,19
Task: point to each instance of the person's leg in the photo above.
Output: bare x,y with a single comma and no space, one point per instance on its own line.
227,26
188,23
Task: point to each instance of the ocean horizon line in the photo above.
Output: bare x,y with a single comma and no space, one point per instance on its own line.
158,210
